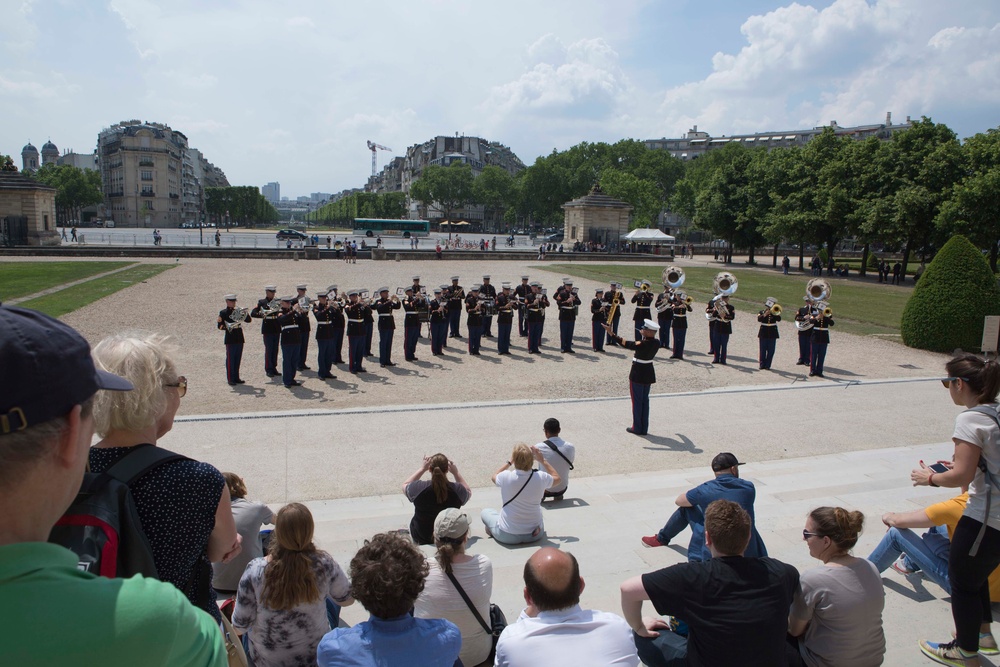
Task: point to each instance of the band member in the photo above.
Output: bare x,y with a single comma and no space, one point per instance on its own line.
438,321
411,322
233,339
767,336
291,335
488,291
642,376
386,325
664,317
533,318
567,302
473,306
324,335
521,293
368,315
269,329
418,292
712,319
820,341
543,303
610,296
723,328
643,301
456,304
805,335
303,320
598,316
337,324
505,318
355,313
680,325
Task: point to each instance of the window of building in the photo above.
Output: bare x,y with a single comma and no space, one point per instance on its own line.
146,175
572,232
45,220
147,190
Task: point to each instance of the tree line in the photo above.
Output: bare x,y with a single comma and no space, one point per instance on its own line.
385,206
242,203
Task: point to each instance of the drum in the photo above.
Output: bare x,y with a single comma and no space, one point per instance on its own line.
423,312
489,307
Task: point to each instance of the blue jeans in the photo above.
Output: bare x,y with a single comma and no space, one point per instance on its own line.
490,519
666,650
682,518
928,553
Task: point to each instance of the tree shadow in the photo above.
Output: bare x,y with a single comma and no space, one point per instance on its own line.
681,443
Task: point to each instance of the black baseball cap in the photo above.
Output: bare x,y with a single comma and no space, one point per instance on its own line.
725,461
45,369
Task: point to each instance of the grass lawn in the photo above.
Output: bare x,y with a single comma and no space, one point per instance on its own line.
67,300
858,307
19,279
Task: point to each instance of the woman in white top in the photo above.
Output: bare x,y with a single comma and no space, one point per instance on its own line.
519,520
972,382
249,516
440,598
837,616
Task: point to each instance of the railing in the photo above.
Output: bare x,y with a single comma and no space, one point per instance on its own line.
147,193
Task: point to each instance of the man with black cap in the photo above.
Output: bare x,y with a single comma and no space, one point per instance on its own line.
488,291
691,505
46,426
233,339
269,329
642,376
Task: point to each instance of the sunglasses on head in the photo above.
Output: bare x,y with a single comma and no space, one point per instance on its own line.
947,381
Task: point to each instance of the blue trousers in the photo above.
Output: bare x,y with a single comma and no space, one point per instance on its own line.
534,336
668,649
720,345
566,334
614,328
454,320
439,334
678,521
410,336
640,407
355,352
488,326
767,346
289,363
805,342
234,355
522,326
325,355
369,334
303,349
927,552
664,334
271,353
818,352
475,337
597,336
385,346
680,335
337,344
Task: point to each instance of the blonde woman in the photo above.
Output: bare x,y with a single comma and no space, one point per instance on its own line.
519,519
281,600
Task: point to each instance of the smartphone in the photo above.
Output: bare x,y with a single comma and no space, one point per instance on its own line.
938,467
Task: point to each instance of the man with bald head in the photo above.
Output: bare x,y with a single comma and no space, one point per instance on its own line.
553,629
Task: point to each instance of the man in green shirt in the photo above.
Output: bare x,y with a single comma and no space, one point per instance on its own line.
52,613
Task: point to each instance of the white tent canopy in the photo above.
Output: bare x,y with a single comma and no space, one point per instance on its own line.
652,236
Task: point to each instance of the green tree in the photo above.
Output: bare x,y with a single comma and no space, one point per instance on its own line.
972,209
7,163
75,189
450,187
494,189
643,195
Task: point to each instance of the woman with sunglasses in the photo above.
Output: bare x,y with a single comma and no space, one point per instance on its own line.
837,617
975,546
183,505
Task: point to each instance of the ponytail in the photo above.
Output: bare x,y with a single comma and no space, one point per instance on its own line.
983,375
439,477
842,526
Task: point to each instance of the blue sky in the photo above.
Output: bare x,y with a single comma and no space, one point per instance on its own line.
291,91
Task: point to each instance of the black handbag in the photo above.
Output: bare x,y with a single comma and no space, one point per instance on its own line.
497,619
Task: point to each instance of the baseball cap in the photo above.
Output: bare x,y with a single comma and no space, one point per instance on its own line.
725,461
451,524
47,369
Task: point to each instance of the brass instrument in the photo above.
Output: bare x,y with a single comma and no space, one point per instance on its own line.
304,303
641,285
238,317
818,292
673,277
273,307
724,284
771,305
681,297
615,302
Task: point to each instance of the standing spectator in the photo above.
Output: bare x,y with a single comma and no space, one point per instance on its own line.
522,489
560,455
218,238
378,241
494,243
328,239
72,234
249,516
387,576
282,598
62,235
430,497
897,269
451,567
437,250
43,456
838,615
730,602
785,263
553,629
919,272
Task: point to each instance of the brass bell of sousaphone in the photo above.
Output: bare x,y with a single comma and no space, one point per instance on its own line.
673,277
818,292
724,284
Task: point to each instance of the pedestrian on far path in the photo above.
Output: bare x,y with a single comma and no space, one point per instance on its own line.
63,235
785,263
218,238
72,234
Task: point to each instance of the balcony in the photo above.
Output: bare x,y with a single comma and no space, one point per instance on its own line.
174,195
147,193
146,162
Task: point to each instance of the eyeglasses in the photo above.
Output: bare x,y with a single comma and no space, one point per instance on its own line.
806,535
181,385
947,381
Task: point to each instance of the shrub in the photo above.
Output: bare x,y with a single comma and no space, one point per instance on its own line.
873,261
948,304
824,257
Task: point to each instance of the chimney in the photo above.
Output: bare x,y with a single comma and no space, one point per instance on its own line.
833,123
888,118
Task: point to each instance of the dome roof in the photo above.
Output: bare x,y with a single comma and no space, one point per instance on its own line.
49,146
29,149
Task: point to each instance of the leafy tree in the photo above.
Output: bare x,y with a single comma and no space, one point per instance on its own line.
450,187
494,189
949,302
75,188
973,207
244,204
7,163
640,193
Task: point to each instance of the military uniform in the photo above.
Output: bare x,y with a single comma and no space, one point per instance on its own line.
641,378
456,303
598,318
411,324
820,341
712,320
323,311
805,336
474,322
337,325
305,327
767,336
664,317
368,318
533,321
271,332
234,342
291,337
609,297
723,329
679,324
438,308
505,319
386,327
354,311
643,308
521,293
567,303
488,291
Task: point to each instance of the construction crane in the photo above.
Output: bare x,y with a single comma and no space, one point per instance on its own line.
375,148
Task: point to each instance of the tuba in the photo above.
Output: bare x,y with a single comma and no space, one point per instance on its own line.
818,292
724,284
673,277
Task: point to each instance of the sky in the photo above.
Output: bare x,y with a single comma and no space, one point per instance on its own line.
291,91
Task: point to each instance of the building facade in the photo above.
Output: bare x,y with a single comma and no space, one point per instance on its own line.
30,160
27,210
596,217
272,192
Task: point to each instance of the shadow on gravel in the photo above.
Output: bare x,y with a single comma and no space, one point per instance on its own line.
305,393
248,390
403,372
680,444
840,371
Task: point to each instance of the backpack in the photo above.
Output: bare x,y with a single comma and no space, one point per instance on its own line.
102,526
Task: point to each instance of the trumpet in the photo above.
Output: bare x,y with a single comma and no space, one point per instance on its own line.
641,285
304,302
772,306
237,319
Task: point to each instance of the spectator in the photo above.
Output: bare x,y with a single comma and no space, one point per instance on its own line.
521,490
328,240
429,497
440,597
248,517
48,426
553,629
785,263
281,602
729,602
838,615
438,250
183,505
387,576
897,269
560,455
72,234
692,504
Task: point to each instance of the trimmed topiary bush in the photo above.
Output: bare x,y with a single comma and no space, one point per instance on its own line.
947,307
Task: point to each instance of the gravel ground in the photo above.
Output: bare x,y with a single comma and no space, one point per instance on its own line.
184,302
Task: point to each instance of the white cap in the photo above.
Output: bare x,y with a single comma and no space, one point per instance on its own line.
230,297
651,325
302,287
454,277
270,288
416,278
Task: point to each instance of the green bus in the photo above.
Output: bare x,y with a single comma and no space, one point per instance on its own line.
406,228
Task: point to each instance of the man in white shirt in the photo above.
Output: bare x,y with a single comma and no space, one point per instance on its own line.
559,454
553,629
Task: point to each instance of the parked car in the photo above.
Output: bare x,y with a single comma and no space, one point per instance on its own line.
555,238
285,234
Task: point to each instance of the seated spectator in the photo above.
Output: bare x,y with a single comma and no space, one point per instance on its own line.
736,608
519,519
837,617
249,516
440,598
727,485
560,454
183,505
281,601
387,576
429,497
47,425
553,629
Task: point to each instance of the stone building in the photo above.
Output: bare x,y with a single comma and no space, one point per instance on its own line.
27,211
29,158
596,217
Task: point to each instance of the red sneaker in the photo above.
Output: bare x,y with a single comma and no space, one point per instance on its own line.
651,541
